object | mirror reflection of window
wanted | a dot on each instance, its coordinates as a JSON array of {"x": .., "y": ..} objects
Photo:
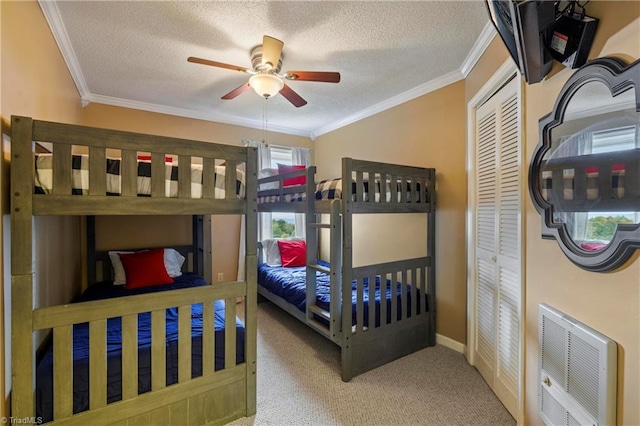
[{"x": 584, "y": 172}]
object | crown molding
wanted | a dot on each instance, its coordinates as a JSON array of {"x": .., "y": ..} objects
[
  {"x": 54, "y": 19},
  {"x": 52, "y": 15},
  {"x": 416, "y": 92},
  {"x": 486, "y": 36},
  {"x": 198, "y": 115}
]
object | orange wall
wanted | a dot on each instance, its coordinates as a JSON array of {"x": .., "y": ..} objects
[
  {"x": 609, "y": 303},
  {"x": 429, "y": 131},
  {"x": 35, "y": 82},
  {"x": 225, "y": 228}
]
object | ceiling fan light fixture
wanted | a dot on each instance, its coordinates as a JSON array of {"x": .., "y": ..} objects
[{"x": 266, "y": 85}]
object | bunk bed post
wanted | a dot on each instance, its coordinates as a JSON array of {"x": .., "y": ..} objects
[
  {"x": 22, "y": 351},
  {"x": 336, "y": 269},
  {"x": 431, "y": 252},
  {"x": 251, "y": 300},
  {"x": 311, "y": 236},
  {"x": 347, "y": 269}
]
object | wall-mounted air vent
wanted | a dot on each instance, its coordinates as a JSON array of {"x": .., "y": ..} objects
[{"x": 577, "y": 372}]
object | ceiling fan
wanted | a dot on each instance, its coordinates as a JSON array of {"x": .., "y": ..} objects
[{"x": 266, "y": 60}]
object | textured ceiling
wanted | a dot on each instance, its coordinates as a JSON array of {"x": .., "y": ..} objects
[{"x": 135, "y": 54}]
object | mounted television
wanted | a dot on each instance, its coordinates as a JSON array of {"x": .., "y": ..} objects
[{"x": 522, "y": 25}]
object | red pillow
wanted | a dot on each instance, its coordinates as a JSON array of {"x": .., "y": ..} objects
[
  {"x": 293, "y": 252},
  {"x": 298, "y": 180},
  {"x": 145, "y": 268}
]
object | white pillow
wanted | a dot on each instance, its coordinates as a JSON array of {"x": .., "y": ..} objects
[
  {"x": 172, "y": 263},
  {"x": 119, "y": 277},
  {"x": 271, "y": 251}
]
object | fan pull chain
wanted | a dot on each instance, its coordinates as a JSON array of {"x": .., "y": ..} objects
[{"x": 265, "y": 120}]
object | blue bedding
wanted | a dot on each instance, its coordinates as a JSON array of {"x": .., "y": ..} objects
[
  {"x": 290, "y": 284},
  {"x": 105, "y": 290}
]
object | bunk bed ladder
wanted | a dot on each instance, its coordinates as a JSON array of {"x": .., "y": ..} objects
[{"x": 325, "y": 322}]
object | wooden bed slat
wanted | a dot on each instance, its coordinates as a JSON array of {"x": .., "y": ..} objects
[
  {"x": 394, "y": 300},
  {"x": 414, "y": 292},
  {"x": 184, "y": 176},
  {"x": 129, "y": 356},
  {"x": 403, "y": 296},
  {"x": 208, "y": 178},
  {"x": 383, "y": 299},
  {"x": 359, "y": 305},
  {"x": 158, "y": 175},
  {"x": 383, "y": 188},
  {"x": 158, "y": 350},
  {"x": 230, "y": 180},
  {"x": 359, "y": 187},
  {"x": 97, "y": 171},
  {"x": 229, "y": 333},
  {"x": 129, "y": 173},
  {"x": 98, "y": 363},
  {"x": 208, "y": 347},
  {"x": 62, "y": 372},
  {"x": 403, "y": 190},
  {"x": 372, "y": 298},
  {"x": 184, "y": 343},
  {"x": 62, "y": 169}
]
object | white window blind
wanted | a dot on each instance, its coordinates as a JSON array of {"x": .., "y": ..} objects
[{"x": 614, "y": 140}]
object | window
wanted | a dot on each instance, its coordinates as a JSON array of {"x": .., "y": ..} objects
[
  {"x": 282, "y": 224},
  {"x": 602, "y": 225}
]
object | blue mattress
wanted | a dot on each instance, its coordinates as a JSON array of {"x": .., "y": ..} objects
[
  {"x": 105, "y": 290},
  {"x": 290, "y": 284}
]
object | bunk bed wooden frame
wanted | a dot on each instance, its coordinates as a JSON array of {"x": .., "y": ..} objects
[
  {"x": 216, "y": 397},
  {"x": 362, "y": 347}
]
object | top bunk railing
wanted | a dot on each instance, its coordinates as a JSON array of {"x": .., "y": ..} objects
[
  {"x": 283, "y": 193},
  {"x": 375, "y": 188},
  {"x": 92, "y": 171},
  {"x": 388, "y": 188}
]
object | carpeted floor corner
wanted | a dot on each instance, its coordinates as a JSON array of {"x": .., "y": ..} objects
[{"x": 299, "y": 384}]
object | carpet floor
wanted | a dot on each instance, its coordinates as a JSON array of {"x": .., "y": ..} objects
[{"x": 299, "y": 383}]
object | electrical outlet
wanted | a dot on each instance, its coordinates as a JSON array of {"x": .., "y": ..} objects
[{"x": 220, "y": 277}]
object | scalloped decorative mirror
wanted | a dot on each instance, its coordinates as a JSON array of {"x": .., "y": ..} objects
[{"x": 584, "y": 178}]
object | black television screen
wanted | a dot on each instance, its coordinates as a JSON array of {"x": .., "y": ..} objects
[{"x": 522, "y": 26}]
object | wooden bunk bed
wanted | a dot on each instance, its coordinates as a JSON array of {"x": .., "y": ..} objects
[
  {"x": 215, "y": 395},
  {"x": 402, "y": 299}
]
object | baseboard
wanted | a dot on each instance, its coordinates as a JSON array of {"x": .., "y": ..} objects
[{"x": 450, "y": 343}]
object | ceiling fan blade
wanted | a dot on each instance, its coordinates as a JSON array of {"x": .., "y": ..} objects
[
  {"x": 292, "y": 96},
  {"x": 324, "y": 77},
  {"x": 216, "y": 64},
  {"x": 237, "y": 91},
  {"x": 271, "y": 51}
]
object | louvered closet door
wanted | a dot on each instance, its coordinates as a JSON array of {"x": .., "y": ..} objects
[{"x": 498, "y": 243}]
